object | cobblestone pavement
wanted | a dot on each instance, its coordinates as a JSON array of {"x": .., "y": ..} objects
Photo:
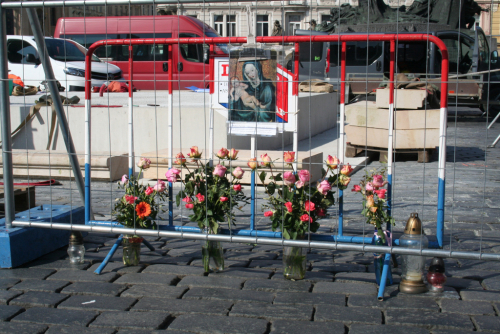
[{"x": 169, "y": 292}]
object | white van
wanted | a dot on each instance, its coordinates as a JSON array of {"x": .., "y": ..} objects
[{"x": 68, "y": 62}]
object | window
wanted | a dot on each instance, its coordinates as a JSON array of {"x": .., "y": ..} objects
[
  {"x": 357, "y": 53},
  {"x": 225, "y": 25},
  {"x": 326, "y": 18},
  {"x": 17, "y": 50},
  {"x": 109, "y": 51},
  {"x": 311, "y": 51},
  {"x": 293, "y": 24},
  {"x": 191, "y": 52},
  {"x": 459, "y": 54},
  {"x": 262, "y": 25},
  {"x": 153, "y": 52}
]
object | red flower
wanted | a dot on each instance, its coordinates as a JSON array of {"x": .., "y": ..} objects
[
  {"x": 149, "y": 191},
  {"x": 321, "y": 212},
  {"x": 289, "y": 206},
  {"x": 187, "y": 199},
  {"x": 237, "y": 187},
  {"x": 268, "y": 214},
  {"x": 309, "y": 206},
  {"x": 223, "y": 199},
  {"x": 143, "y": 209},
  {"x": 190, "y": 206},
  {"x": 305, "y": 218},
  {"x": 130, "y": 199},
  {"x": 200, "y": 198}
]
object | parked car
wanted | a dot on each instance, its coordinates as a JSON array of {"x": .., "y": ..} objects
[
  {"x": 150, "y": 61},
  {"x": 67, "y": 59}
]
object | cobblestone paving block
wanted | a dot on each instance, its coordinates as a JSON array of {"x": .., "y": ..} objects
[
  {"x": 307, "y": 298},
  {"x": 137, "y": 331},
  {"x": 311, "y": 276},
  {"x": 277, "y": 285},
  {"x": 250, "y": 256},
  {"x": 178, "y": 244},
  {"x": 391, "y": 303},
  {"x": 245, "y": 273},
  {"x": 301, "y": 327},
  {"x": 451, "y": 331},
  {"x": 163, "y": 291},
  {"x": 38, "y": 299},
  {"x": 178, "y": 260},
  {"x": 212, "y": 282},
  {"x": 117, "y": 267},
  {"x": 463, "y": 283},
  {"x": 6, "y": 283},
  {"x": 141, "y": 278},
  {"x": 82, "y": 276},
  {"x": 54, "y": 316},
  {"x": 481, "y": 265},
  {"x": 78, "y": 330},
  {"x": 99, "y": 240},
  {"x": 355, "y": 278},
  {"x": 227, "y": 263},
  {"x": 246, "y": 296},
  {"x": 185, "y": 252},
  {"x": 97, "y": 303},
  {"x": 345, "y": 288},
  {"x": 486, "y": 323},
  {"x": 428, "y": 319},
  {"x": 217, "y": 324},
  {"x": 131, "y": 320},
  {"x": 233, "y": 247},
  {"x": 491, "y": 283},
  {"x": 181, "y": 306},
  {"x": 267, "y": 248},
  {"x": 340, "y": 267},
  {"x": 266, "y": 264},
  {"x": 448, "y": 293},
  {"x": 487, "y": 296},
  {"x": 58, "y": 265},
  {"x": 466, "y": 307},
  {"x": 348, "y": 315},
  {"x": 270, "y": 312},
  {"x": 385, "y": 329},
  {"x": 40, "y": 285},
  {"x": 7, "y": 312},
  {"x": 6, "y": 296},
  {"x": 25, "y": 273},
  {"x": 9, "y": 327},
  {"x": 173, "y": 270},
  {"x": 476, "y": 274},
  {"x": 95, "y": 289}
]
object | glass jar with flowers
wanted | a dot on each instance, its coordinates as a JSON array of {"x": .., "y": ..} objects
[
  {"x": 138, "y": 208},
  {"x": 295, "y": 207},
  {"x": 371, "y": 187},
  {"x": 211, "y": 195}
]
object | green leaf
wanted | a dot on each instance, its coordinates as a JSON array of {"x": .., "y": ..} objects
[
  {"x": 278, "y": 178},
  {"x": 271, "y": 188},
  {"x": 178, "y": 199},
  {"x": 285, "y": 234},
  {"x": 262, "y": 176}
]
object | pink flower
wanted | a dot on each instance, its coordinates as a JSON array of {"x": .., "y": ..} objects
[
  {"x": 332, "y": 162},
  {"x": 289, "y": 157},
  {"x": 172, "y": 174},
  {"x": 356, "y": 188},
  {"x": 222, "y": 154},
  {"x": 159, "y": 186},
  {"x": 252, "y": 163},
  {"x": 219, "y": 171},
  {"x": 187, "y": 199},
  {"x": 237, "y": 187},
  {"x": 344, "y": 180},
  {"x": 130, "y": 199},
  {"x": 144, "y": 163},
  {"x": 305, "y": 218},
  {"x": 180, "y": 159},
  {"x": 200, "y": 198},
  {"x": 304, "y": 176},
  {"x": 346, "y": 170},
  {"x": 289, "y": 178},
  {"x": 299, "y": 184},
  {"x": 369, "y": 201},
  {"x": 378, "y": 181},
  {"x": 266, "y": 160},
  {"x": 324, "y": 187},
  {"x": 194, "y": 154},
  {"x": 289, "y": 206},
  {"x": 233, "y": 154},
  {"x": 321, "y": 212},
  {"x": 149, "y": 191},
  {"x": 268, "y": 214},
  {"x": 369, "y": 186},
  {"x": 309, "y": 206},
  {"x": 124, "y": 179},
  {"x": 238, "y": 173},
  {"x": 381, "y": 193},
  {"x": 190, "y": 206},
  {"x": 223, "y": 199}
]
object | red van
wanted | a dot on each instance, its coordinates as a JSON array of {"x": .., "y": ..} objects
[{"x": 150, "y": 61}]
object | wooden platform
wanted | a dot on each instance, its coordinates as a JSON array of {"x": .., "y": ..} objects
[
  {"x": 353, "y": 150},
  {"x": 24, "y": 198}
]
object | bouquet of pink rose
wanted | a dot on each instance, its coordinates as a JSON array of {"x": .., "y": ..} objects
[
  {"x": 372, "y": 189},
  {"x": 139, "y": 206}
]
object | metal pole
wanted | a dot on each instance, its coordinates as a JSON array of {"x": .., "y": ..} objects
[
  {"x": 131, "y": 157},
  {"x": 391, "y": 130},
  {"x": 341, "y": 152},
  {"x": 8, "y": 175},
  {"x": 56, "y": 100}
]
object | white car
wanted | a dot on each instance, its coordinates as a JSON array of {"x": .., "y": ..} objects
[{"x": 68, "y": 62}]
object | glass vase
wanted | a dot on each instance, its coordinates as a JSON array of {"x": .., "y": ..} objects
[
  {"x": 212, "y": 255},
  {"x": 378, "y": 259},
  {"x": 294, "y": 262},
  {"x": 131, "y": 250}
]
